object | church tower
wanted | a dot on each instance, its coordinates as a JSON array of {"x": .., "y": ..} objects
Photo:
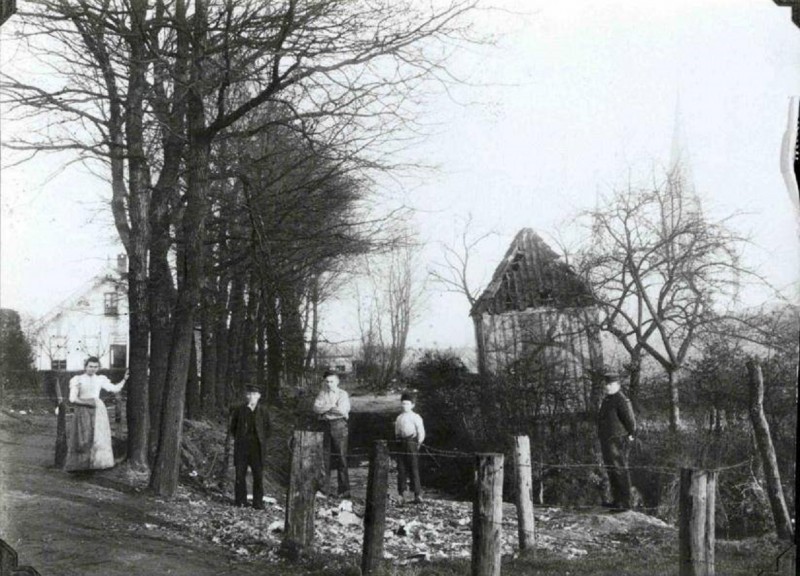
[{"x": 684, "y": 203}]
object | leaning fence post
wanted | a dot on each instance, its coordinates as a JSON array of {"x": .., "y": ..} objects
[
  {"x": 487, "y": 515},
  {"x": 375, "y": 511},
  {"x": 696, "y": 522},
  {"x": 303, "y": 479},
  {"x": 61, "y": 427},
  {"x": 777, "y": 502},
  {"x": 524, "y": 496}
]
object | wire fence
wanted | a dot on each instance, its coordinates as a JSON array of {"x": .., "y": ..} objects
[
  {"x": 575, "y": 538},
  {"x": 435, "y": 453}
]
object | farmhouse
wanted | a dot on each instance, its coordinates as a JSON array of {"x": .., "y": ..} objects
[
  {"x": 535, "y": 322},
  {"x": 91, "y": 322}
]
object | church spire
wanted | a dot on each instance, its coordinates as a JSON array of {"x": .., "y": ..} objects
[{"x": 679, "y": 170}]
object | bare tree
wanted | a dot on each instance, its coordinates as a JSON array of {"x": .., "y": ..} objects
[
  {"x": 659, "y": 271},
  {"x": 387, "y": 313},
  {"x": 149, "y": 88},
  {"x": 454, "y": 273}
]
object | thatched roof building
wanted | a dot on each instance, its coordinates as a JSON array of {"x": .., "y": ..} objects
[{"x": 535, "y": 322}]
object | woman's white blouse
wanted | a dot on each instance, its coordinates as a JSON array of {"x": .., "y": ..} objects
[{"x": 87, "y": 387}]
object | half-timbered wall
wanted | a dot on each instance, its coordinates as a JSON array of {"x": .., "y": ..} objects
[{"x": 534, "y": 323}]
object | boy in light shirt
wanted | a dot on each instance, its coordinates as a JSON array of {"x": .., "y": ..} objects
[{"x": 410, "y": 434}]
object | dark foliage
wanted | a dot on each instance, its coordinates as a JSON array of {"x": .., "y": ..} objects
[
  {"x": 467, "y": 413},
  {"x": 16, "y": 354}
]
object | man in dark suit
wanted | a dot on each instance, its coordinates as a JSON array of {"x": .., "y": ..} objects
[
  {"x": 616, "y": 425},
  {"x": 250, "y": 428}
]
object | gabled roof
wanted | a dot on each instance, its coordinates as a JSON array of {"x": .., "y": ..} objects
[
  {"x": 531, "y": 275},
  {"x": 107, "y": 275}
]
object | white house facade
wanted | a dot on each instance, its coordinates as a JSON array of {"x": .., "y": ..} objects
[{"x": 91, "y": 322}]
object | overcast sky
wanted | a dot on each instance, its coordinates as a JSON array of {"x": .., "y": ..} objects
[{"x": 575, "y": 96}]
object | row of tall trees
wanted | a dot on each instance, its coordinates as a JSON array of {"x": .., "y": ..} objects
[{"x": 237, "y": 137}]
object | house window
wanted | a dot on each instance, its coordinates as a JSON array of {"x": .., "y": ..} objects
[
  {"x": 110, "y": 300},
  {"x": 119, "y": 356},
  {"x": 58, "y": 364},
  {"x": 341, "y": 368}
]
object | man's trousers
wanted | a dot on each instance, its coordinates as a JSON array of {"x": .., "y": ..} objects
[
  {"x": 615, "y": 460},
  {"x": 408, "y": 464},
  {"x": 336, "y": 448},
  {"x": 249, "y": 456}
]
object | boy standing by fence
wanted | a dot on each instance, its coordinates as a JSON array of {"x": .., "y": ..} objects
[{"x": 409, "y": 431}]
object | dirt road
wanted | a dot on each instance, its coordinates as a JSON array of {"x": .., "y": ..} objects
[{"x": 63, "y": 524}]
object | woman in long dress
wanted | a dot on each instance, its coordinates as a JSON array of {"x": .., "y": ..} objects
[{"x": 89, "y": 442}]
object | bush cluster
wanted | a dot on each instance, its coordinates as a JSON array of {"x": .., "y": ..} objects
[{"x": 470, "y": 413}]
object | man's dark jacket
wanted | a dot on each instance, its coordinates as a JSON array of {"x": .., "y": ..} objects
[
  {"x": 239, "y": 431},
  {"x": 616, "y": 417}
]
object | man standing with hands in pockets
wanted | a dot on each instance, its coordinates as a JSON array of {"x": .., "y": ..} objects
[
  {"x": 616, "y": 426},
  {"x": 332, "y": 406}
]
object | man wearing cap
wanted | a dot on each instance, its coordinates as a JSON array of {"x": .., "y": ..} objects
[
  {"x": 332, "y": 407},
  {"x": 250, "y": 428},
  {"x": 616, "y": 425}
]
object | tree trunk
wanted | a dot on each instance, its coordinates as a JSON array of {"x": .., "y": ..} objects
[
  {"x": 138, "y": 201},
  {"x": 292, "y": 336},
  {"x": 170, "y": 111},
  {"x": 161, "y": 310},
  {"x": 193, "y": 383},
  {"x": 313, "y": 341},
  {"x": 164, "y": 479},
  {"x": 635, "y": 377},
  {"x": 221, "y": 339},
  {"x": 674, "y": 402},
  {"x": 274, "y": 350},
  {"x": 480, "y": 345},
  {"x": 137, "y": 415},
  {"x": 595, "y": 349},
  {"x": 208, "y": 369},
  {"x": 249, "y": 332},
  {"x": 261, "y": 345},
  {"x": 233, "y": 376},
  {"x": 766, "y": 450}
]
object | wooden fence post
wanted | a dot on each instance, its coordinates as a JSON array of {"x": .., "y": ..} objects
[
  {"x": 9, "y": 563},
  {"x": 696, "y": 539},
  {"x": 524, "y": 496},
  {"x": 487, "y": 515},
  {"x": 780, "y": 513},
  {"x": 61, "y": 427},
  {"x": 8, "y": 559},
  {"x": 375, "y": 512},
  {"x": 711, "y": 521},
  {"x": 61, "y": 435},
  {"x": 787, "y": 562},
  {"x": 303, "y": 479}
]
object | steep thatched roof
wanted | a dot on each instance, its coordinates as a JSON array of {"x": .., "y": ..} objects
[{"x": 531, "y": 275}]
